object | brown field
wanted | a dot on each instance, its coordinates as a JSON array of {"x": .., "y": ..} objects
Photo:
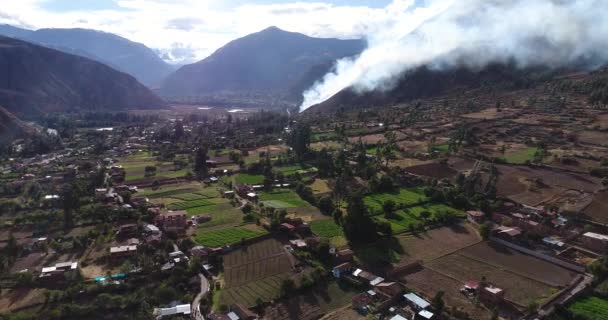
[
  {"x": 433, "y": 170},
  {"x": 409, "y": 162},
  {"x": 332, "y": 145},
  {"x": 375, "y": 138},
  {"x": 30, "y": 262},
  {"x": 412, "y": 146},
  {"x": 518, "y": 183},
  {"x": 313, "y": 304},
  {"x": 489, "y": 114},
  {"x": 518, "y": 289},
  {"x": 437, "y": 242},
  {"x": 255, "y": 271},
  {"x": 593, "y": 137},
  {"x": 520, "y": 263},
  {"x": 15, "y": 299},
  {"x": 601, "y": 120},
  {"x": 597, "y": 210},
  {"x": 256, "y": 261},
  {"x": 320, "y": 186},
  {"x": 429, "y": 282}
]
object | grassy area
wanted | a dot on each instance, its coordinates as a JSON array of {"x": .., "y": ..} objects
[
  {"x": 244, "y": 178},
  {"x": 521, "y": 156},
  {"x": 188, "y": 196},
  {"x": 590, "y": 308},
  {"x": 224, "y": 237},
  {"x": 411, "y": 217},
  {"x": 320, "y": 186},
  {"x": 324, "y": 136},
  {"x": 326, "y": 228},
  {"x": 442, "y": 147},
  {"x": 403, "y": 198},
  {"x": 189, "y": 204},
  {"x": 282, "y": 199}
]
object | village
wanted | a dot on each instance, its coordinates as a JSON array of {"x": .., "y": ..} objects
[{"x": 409, "y": 212}]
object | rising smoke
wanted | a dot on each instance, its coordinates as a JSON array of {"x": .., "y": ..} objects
[{"x": 473, "y": 33}]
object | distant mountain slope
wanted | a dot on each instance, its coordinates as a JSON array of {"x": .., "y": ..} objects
[
  {"x": 133, "y": 58},
  {"x": 36, "y": 79},
  {"x": 424, "y": 83},
  {"x": 12, "y": 128},
  {"x": 271, "y": 62}
]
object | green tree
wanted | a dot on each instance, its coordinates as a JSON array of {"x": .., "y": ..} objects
[
  {"x": 299, "y": 140},
  {"x": 485, "y": 230},
  {"x": 388, "y": 207},
  {"x": 70, "y": 198},
  {"x": 287, "y": 287},
  {"x": 358, "y": 225},
  {"x": 200, "y": 163}
]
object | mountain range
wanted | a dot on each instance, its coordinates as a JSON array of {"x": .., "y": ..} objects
[
  {"x": 36, "y": 79},
  {"x": 122, "y": 54},
  {"x": 271, "y": 62}
]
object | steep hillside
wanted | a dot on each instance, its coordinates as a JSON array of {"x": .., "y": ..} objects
[
  {"x": 424, "y": 82},
  {"x": 272, "y": 62},
  {"x": 12, "y": 128},
  {"x": 133, "y": 58},
  {"x": 36, "y": 79}
]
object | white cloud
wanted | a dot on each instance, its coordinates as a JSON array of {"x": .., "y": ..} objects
[{"x": 201, "y": 26}]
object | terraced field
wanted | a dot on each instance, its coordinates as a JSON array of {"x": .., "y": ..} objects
[
  {"x": 225, "y": 237},
  {"x": 255, "y": 272}
]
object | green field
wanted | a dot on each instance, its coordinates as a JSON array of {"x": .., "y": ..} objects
[
  {"x": 188, "y": 196},
  {"x": 283, "y": 198},
  {"x": 326, "y": 228},
  {"x": 520, "y": 157},
  {"x": 403, "y": 198},
  {"x": 225, "y": 237},
  {"x": 590, "y": 308},
  {"x": 166, "y": 193},
  {"x": 442, "y": 147},
  {"x": 409, "y": 218},
  {"x": 189, "y": 204},
  {"x": 244, "y": 178}
]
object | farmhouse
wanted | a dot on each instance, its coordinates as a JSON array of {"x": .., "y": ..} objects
[
  {"x": 492, "y": 294},
  {"x": 123, "y": 251},
  {"x": 173, "y": 221},
  {"x": 475, "y": 216},
  {"x": 168, "y": 312},
  {"x": 58, "y": 271},
  {"x": 595, "y": 241},
  {"x": 340, "y": 269},
  {"x": 416, "y": 302}
]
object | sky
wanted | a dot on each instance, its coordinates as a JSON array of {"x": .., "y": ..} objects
[{"x": 184, "y": 31}]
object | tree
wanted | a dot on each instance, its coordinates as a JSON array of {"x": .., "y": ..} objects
[
  {"x": 179, "y": 130},
  {"x": 299, "y": 140},
  {"x": 267, "y": 171},
  {"x": 287, "y": 287},
  {"x": 358, "y": 225},
  {"x": 200, "y": 163},
  {"x": 70, "y": 203},
  {"x": 438, "y": 302},
  {"x": 326, "y": 205},
  {"x": 485, "y": 229},
  {"x": 389, "y": 208}
]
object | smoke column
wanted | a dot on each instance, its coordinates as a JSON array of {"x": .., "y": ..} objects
[{"x": 473, "y": 33}]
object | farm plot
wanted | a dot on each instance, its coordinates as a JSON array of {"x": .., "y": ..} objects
[
  {"x": 256, "y": 271},
  {"x": 314, "y": 303},
  {"x": 244, "y": 178},
  {"x": 520, "y": 156},
  {"x": 591, "y": 308},
  {"x": 282, "y": 199},
  {"x": 598, "y": 208},
  {"x": 188, "y": 197},
  {"x": 429, "y": 282},
  {"x": 189, "y": 204},
  {"x": 518, "y": 289},
  {"x": 436, "y": 243},
  {"x": 519, "y": 263},
  {"x": 433, "y": 170},
  {"x": 327, "y": 228},
  {"x": 225, "y": 237},
  {"x": 403, "y": 198}
]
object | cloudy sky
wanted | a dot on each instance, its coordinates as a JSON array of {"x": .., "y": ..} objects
[{"x": 189, "y": 30}]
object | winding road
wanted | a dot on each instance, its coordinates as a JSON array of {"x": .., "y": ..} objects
[{"x": 196, "y": 304}]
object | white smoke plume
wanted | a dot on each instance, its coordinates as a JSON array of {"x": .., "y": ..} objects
[{"x": 474, "y": 33}]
